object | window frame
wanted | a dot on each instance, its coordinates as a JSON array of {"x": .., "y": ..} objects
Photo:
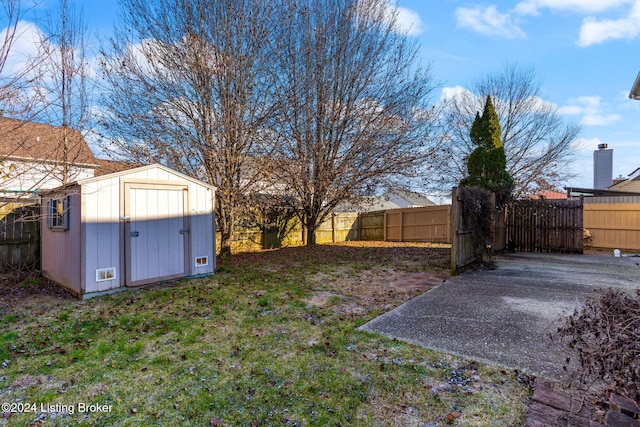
[{"x": 58, "y": 213}]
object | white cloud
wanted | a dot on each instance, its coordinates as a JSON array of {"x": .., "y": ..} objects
[
  {"x": 599, "y": 119},
  {"x": 409, "y": 21},
  {"x": 487, "y": 20},
  {"x": 590, "y": 108},
  {"x": 586, "y": 144},
  {"x": 25, "y": 47},
  {"x": 532, "y": 7},
  {"x": 596, "y": 31},
  {"x": 449, "y": 93}
]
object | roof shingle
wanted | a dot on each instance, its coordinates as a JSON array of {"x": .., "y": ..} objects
[{"x": 40, "y": 141}]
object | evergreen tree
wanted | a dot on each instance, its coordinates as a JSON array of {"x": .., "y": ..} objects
[{"x": 487, "y": 164}]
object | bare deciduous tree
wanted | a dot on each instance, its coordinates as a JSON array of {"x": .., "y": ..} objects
[
  {"x": 355, "y": 114},
  {"x": 538, "y": 143},
  {"x": 47, "y": 80},
  {"x": 65, "y": 86},
  {"x": 187, "y": 85},
  {"x": 18, "y": 70}
]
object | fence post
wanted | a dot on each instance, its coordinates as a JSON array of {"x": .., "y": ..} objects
[
  {"x": 384, "y": 227},
  {"x": 454, "y": 228},
  {"x": 333, "y": 227}
]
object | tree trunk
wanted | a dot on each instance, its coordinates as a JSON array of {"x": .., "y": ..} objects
[
  {"x": 226, "y": 230},
  {"x": 225, "y": 246},
  {"x": 311, "y": 226},
  {"x": 311, "y": 236}
]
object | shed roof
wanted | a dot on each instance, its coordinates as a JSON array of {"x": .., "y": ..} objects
[
  {"x": 39, "y": 141},
  {"x": 143, "y": 168}
]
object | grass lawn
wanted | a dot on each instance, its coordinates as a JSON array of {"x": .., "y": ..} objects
[{"x": 269, "y": 340}]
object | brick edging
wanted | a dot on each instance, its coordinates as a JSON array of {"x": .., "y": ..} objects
[{"x": 553, "y": 405}]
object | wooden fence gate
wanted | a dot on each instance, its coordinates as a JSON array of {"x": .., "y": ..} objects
[{"x": 545, "y": 226}]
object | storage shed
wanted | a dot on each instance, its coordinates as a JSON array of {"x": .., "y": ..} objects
[{"x": 130, "y": 228}]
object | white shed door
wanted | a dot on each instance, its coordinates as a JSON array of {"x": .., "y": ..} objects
[{"x": 157, "y": 233}]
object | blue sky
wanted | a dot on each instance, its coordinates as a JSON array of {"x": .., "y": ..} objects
[{"x": 585, "y": 52}]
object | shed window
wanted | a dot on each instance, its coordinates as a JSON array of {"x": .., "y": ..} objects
[{"x": 59, "y": 213}]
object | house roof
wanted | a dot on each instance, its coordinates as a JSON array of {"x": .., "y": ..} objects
[
  {"x": 548, "y": 195},
  {"x": 594, "y": 192},
  {"x": 635, "y": 89},
  {"x": 39, "y": 141},
  {"x": 106, "y": 166},
  {"x": 412, "y": 198},
  {"x": 392, "y": 199},
  {"x": 635, "y": 175}
]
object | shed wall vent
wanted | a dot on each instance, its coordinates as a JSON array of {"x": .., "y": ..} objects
[
  {"x": 201, "y": 261},
  {"x": 103, "y": 274}
]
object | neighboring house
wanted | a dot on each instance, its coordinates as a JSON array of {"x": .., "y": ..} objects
[
  {"x": 548, "y": 195},
  {"x": 629, "y": 185},
  {"x": 621, "y": 187},
  {"x": 392, "y": 199},
  {"x": 33, "y": 157},
  {"x": 408, "y": 199}
]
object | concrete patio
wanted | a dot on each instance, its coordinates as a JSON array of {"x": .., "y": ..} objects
[{"x": 504, "y": 316}]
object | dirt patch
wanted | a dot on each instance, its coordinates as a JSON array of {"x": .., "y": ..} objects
[
  {"x": 29, "y": 289},
  {"x": 356, "y": 278},
  {"x": 26, "y": 381},
  {"x": 321, "y": 299},
  {"x": 371, "y": 290},
  {"x": 420, "y": 282}
]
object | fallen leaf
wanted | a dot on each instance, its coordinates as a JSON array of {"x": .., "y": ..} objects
[
  {"x": 216, "y": 422},
  {"x": 452, "y": 416}
]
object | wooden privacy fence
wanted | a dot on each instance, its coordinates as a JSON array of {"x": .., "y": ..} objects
[
  {"x": 613, "y": 222},
  {"x": 371, "y": 225},
  {"x": 19, "y": 235},
  {"x": 545, "y": 226},
  {"x": 465, "y": 250},
  {"x": 423, "y": 224},
  {"x": 337, "y": 227},
  {"x": 524, "y": 225}
]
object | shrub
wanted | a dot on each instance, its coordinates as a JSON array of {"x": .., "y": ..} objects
[{"x": 604, "y": 336}]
